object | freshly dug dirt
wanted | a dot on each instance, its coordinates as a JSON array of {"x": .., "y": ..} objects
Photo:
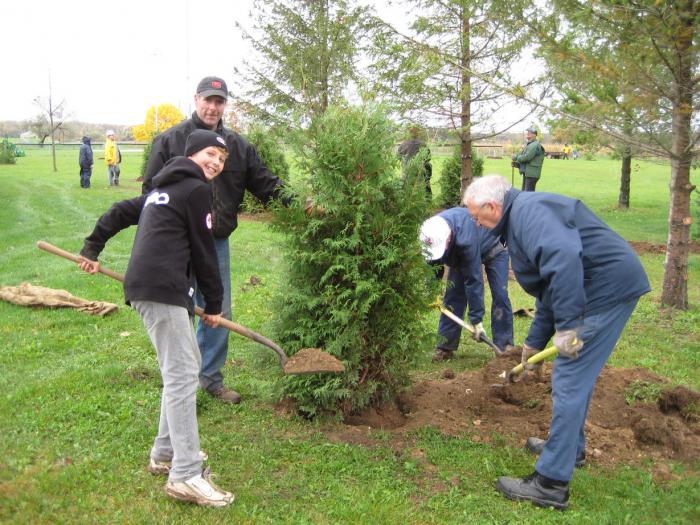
[
  {"x": 481, "y": 405},
  {"x": 683, "y": 400},
  {"x": 312, "y": 361},
  {"x": 642, "y": 247}
]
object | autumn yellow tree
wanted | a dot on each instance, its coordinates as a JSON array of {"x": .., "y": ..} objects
[{"x": 167, "y": 116}]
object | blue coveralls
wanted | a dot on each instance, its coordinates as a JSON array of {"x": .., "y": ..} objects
[
  {"x": 471, "y": 246},
  {"x": 585, "y": 277}
]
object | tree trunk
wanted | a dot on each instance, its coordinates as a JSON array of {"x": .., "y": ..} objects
[
  {"x": 465, "y": 116},
  {"x": 675, "y": 286},
  {"x": 623, "y": 201},
  {"x": 325, "y": 65},
  {"x": 53, "y": 141}
]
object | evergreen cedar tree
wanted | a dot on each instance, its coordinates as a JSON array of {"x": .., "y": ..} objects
[{"x": 357, "y": 285}]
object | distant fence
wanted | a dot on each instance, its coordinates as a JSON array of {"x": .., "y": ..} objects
[
  {"x": 491, "y": 151},
  {"x": 124, "y": 147}
]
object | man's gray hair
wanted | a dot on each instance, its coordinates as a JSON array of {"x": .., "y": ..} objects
[{"x": 489, "y": 188}]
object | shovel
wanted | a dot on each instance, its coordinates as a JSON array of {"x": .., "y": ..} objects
[
  {"x": 468, "y": 327},
  {"x": 539, "y": 356},
  {"x": 324, "y": 362}
]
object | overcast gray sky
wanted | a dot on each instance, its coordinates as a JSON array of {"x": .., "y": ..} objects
[{"x": 111, "y": 61}]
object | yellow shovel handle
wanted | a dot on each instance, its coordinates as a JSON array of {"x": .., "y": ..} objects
[{"x": 539, "y": 356}]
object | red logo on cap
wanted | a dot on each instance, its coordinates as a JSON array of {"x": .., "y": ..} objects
[{"x": 216, "y": 84}]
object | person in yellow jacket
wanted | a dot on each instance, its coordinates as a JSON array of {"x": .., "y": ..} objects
[
  {"x": 112, "y": 159},
  {"x": 566, "y": 150}
]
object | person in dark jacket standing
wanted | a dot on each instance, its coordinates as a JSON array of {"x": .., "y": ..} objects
[
  {"x": 85, "y": 162},
  {"x": 243, "y": 171},
  {"x": 173, "y": 246},
  {"x": 452, "y": 238},
  {"x": 410, "y": 148},
  {"x": 587, "y": 281},
  {"x": 529, "y": 160}
]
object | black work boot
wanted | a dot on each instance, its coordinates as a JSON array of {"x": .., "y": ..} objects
[
  {"x": 538, "y": 489},
  {"x": 442, "y": 355},
  {"x": 536, "y": 446}
]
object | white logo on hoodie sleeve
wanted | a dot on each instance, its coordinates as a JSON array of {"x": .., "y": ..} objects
[{"x": 157, "y": 198}]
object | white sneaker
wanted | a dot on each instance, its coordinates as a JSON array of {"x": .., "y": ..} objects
[
  {"x": 200, "y": 490},
  {"x": 163, "y": 467}
]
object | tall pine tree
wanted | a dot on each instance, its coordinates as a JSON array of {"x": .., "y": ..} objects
[
  {"x": 640, "y": 58},
  {"x": 306, "y": 55},
  {"x": 447, "y": 68}
]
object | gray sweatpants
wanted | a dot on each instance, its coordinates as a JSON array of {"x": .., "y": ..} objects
[{"x": 172, "y": 334}]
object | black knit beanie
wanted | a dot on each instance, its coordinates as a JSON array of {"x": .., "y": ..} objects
[{"x": 202, "y": 138}]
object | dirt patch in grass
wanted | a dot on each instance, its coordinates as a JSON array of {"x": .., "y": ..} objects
[
  {"x": 642, "y": 247},
  {"x": 470, "y": 404},
  {"x": 264, "y": 216}
]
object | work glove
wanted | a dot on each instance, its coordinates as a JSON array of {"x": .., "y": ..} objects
[
  {"x": 308, "y": 206},
  {"x": 568, "y": 344},
  {"x": 527, "y": 353},
  {"x": 479, "y": 331}
]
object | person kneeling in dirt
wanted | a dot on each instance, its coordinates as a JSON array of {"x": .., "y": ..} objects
[
  {"x": 452, "y": 238},
  {"x": 173, "y": 246},
  {"x": 587, "y": 281}
]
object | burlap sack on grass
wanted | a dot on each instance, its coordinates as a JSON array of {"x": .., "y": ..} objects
[{"x": 27, "y": 294}]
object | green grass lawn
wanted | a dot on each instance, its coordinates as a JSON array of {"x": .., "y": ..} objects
[{"x": 79, "y": 395}]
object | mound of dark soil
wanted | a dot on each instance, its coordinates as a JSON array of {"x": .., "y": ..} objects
[
  {"x": 482, "y": 405},
  {"x": 312, "y": 361}
]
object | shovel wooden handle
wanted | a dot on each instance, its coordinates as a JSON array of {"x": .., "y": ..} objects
[
  {"x": 47, "y": 247},
  {"x": 469, "y": 328},
  {"x": 230, "y": 325}
]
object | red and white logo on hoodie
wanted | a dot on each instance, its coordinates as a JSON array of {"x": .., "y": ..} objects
[{"x": 209, "y": 221}]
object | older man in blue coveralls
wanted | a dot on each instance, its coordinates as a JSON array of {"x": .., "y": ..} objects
[
  {"x": 452, "y": 238},
  {"x": 587, "y": 281}
]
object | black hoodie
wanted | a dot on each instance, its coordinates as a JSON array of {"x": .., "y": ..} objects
[
  {"x": 173, "y": 243},
  {"x": 243, "y": 170}
]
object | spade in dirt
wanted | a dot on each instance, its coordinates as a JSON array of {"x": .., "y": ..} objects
[{"x": 306, "y": 361}]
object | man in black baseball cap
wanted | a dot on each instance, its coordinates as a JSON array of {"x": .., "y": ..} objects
[
  {"x": 243, "y": 170},
  {"x": 212, "y": 87}
]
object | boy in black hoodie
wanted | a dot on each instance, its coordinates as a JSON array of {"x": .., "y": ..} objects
[{"x": 173, "y": 247}]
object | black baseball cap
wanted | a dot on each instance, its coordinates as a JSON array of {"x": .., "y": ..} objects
[
  {"x": 203, "y": 138},
  {"x": 212, "y": 86}
]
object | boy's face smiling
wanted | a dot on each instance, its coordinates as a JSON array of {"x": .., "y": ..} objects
[{"x": 211, "y": 159}]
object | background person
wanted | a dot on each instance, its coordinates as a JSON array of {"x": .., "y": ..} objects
[
  {"x": 410, "y": 148},
  {"x": 112, "y": 159},
  {"x": 530, "y": 160},
  {"x": 85, "y": 161},
  {"x": 173, "y": 246},
  {"x": 566, "y": 150},
  {"x": 453, "y": 238},
  {"x": 587, "y": 281},
  {"x": 242, "y": 171}
]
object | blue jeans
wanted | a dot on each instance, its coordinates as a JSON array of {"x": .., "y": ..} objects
[
  {"x": 113, "y": 175},
  {"x": 572, "y": 387},
  {"x": 455, "y": 300},
  {"x": 213, "y": 342},
  {"x": 85, "y": 174},
  {"x": 170, "y": 330}
]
